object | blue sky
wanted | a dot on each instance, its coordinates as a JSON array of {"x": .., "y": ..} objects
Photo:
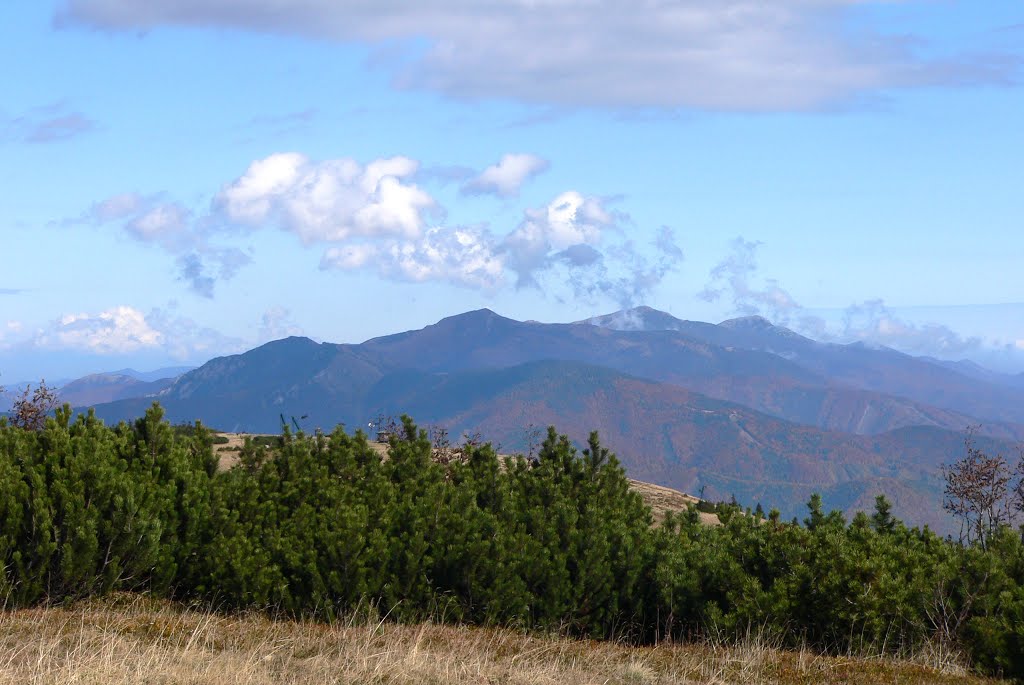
[{"x": 181, "y": 179}]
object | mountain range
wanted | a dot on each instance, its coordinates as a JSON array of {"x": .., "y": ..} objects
[
  {"x": 102, "y": 387},
  {"x": 741, "y": 408}
]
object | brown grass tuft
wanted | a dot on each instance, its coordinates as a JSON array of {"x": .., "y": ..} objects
[{"x": 128, "y": 639}]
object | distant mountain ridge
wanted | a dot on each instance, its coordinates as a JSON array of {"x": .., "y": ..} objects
[
  {"x": 155, "y": 375},
  {"x": 946, "y": 385},
  {"x": 742, "y": 407},
  {"x": 100, "y": 388}
]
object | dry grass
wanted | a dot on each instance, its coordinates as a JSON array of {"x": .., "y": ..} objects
[
  {"x": 133, "y": 640},
  {"x": 662, "y": 500}
]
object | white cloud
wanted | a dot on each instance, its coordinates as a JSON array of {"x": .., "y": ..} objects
[
  {"x": 12, "y": 328},
  {"x": 570, "y": 219},
  {"x": 464, "y": 257},
  {"x": 505, "y": 178},
  {"x": 374, "y": 217},
  {"x": 461, "y": 256},
  {"x": 558, "y": 246},
  {"x": 714, "y": 54},
  {"x": 184, "y": 339},
  {"x": 117, "y": 330},
  {"x": 328, "y": 201},
  {"x": 163, "y": 223}
]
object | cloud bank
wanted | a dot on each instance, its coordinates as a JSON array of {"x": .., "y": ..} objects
[
  {"x": 375, "y": 217},
  {"x": 125, "y": 330},
  {"x": 115, "y": 331},
  {"x": 710, "y": 54}
]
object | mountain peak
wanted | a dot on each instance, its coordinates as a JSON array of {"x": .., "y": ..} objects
[
  {"x": 484, "y": 314},
  {"x": 292, "y": 342},
  {"x": 754, "y": 321},
  {"x": 759, "y": 326},
  {"x": 642, "y": 318},
  {"x": 478, "y": 320}
]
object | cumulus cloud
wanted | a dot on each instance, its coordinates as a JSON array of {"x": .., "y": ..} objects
[
  {"x": 123, "y": 335},
  {"x": 713, "y": 54},
  {"x": 505, "y": 178},
  {"x": 574, "y": 240},
  {"x": 369, "y": 216},
  {"x": 12, "y": 328},
  {"x": 375, "y": 217},
  {"x": 330, "y": 200},
  {"x": 117, "y": 330},
  {"x": 165, "y": 224},
  {"x": 459, "y": 256},
  {"x": 569, "y": 221}
]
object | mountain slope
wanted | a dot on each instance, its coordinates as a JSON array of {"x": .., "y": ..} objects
[
  {"x": 670, "y": 436},
  {"x": 681, "y": 409},
  {"x": 108, "y": 387},
  {"x": 664, "y": 434},
  {"x": 879, "y": 370}
]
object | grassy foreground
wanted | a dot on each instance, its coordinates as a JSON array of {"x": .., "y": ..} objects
[{"x": 128, "y": 639}]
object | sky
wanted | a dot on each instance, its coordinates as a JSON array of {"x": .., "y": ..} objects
[{"x": 183, "y": 179}]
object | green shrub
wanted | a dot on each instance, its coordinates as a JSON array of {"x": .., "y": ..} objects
[{"x": 321, "y": 525}]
